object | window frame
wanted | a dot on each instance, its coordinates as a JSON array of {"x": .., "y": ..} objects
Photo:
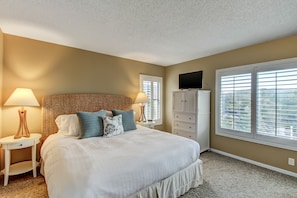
[
  {"x": 253, "y": 136},
  {"x": 158, "y": 79}
]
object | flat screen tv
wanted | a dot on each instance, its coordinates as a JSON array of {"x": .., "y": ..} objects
[{"x": 191, "y": 80}]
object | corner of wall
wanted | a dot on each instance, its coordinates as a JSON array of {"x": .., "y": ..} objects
[{"x": 1, "y": 77}]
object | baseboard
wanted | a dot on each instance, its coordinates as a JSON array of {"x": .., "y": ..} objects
[{"x": 255, "y": 163}]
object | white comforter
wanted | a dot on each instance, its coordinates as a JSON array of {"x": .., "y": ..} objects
[{"x": 117, "y": 166}]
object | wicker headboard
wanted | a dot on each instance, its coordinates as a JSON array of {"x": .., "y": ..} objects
[{"x": 55, "y": 105}]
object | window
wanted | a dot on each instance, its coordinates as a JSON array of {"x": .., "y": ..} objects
[
  {"x": 152, "y": 86},
  {"x": 258, "y": 103},
  {"x": 236, "y": 103}
]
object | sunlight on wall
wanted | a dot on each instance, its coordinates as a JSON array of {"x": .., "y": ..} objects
[
  {"x": 1, "y": 78},
  {"x": 12, "y": 119}
]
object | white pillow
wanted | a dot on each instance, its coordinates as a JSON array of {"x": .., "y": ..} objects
[
  {"x": 68, "y": 124},
  {"x": 108, "y": 113},
  {"x": 112, "y": 126}
]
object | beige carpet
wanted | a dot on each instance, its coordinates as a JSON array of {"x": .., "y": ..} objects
[
  {"x": 24, "y": 186},
  {"x": 223, "y": 178}
]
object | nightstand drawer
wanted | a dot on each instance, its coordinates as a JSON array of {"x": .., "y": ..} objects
[{"x": 19, "y": 145}]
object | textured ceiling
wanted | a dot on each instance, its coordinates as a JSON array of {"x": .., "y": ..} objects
[{"x": 162, "y": 32}]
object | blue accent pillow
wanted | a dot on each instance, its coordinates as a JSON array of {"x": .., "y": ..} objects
[
  {"x": 127, "y": 118},
  {"x": 91, "y": 123}
]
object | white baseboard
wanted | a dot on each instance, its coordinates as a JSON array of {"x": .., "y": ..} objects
[{"x": 255, "y": 163}]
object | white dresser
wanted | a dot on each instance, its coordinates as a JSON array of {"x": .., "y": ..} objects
[{"x": 191, "y": 115}]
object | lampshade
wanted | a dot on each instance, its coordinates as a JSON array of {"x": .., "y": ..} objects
[
  {"x": 22, "y": 97},
  {"x": 141, "y": 98}
]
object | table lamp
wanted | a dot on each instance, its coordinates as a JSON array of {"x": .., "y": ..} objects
[
  {"x": 141, "y": 98},
  {"x": 22, "y": 97}
]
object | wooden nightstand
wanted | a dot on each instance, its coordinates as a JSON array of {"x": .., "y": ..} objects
[
  {"x": 8, "y": 144},
  {"x": 148, "y": 124}
]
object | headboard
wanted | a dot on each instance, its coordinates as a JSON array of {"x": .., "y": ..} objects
[{"x": 55, "y": 105}]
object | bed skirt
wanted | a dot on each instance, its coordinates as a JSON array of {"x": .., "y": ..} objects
[{"x": 175, "y": 185}]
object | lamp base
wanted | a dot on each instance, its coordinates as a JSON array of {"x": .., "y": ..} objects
[
  {"x": 142, "y": 116},
  {"x": 23, "y": 130}
]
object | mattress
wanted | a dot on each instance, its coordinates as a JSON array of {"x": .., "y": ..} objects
[{"x": 136, "y": 163}]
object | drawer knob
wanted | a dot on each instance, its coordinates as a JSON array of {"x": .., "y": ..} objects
[{"x": 21, "y": 144}]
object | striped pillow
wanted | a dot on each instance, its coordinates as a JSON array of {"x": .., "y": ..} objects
[
  {"x": 91, "y": 123},
  {"x": 127, "y": 117}
]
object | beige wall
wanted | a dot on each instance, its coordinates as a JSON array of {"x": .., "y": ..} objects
[
  {"x": 274, "y": 50},
  {"x": 1, "y": 74},
  {"x": 55, "y": 69}
]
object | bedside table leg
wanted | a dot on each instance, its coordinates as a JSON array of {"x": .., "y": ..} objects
[
  {"x": 34, "y": 160},
  {"x": 7, "y": 165}
]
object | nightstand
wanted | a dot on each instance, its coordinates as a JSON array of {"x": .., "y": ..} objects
[
  {"x": 8, "y": 144},
  {"x": 148, "y": 124}
]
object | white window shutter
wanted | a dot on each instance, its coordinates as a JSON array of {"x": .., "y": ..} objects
[
  {"x": 258, "y": 103},
  {"x": 152, "y": 86}
]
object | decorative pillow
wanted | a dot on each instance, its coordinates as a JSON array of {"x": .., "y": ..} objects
[
  {"x": 68, "y": 124},
  {"x": 91, "y": 123},
  {"x": 128, "y": 119},
  {"x": 113, "y": 126}
]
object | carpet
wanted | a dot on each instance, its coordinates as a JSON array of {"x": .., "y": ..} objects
[{"x": 224, "y": 177}]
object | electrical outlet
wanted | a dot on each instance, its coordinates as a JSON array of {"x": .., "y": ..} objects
[{"x": 291, "y": 161}]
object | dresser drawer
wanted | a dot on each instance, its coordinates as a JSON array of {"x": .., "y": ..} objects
[
  {"x": 19, "y": 145},
  {"x": 185, "y": 117},
  {"x": 185, "y": 134},
  {"x": 191, "y": 127}
]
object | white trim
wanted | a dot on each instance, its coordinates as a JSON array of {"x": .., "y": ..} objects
[
  {"x": 274, "y": 141},
  {"x": 273, "y": 168},
  {"x": 158, "y": 79}
]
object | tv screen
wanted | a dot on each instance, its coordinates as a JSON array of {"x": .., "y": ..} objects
[{"x": 191, "y": 80}]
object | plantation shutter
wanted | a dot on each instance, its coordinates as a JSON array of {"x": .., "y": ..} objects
[
  {"x": 235, "y": 102},
  {"x": 276, "y": 103},
  {"x": 152, "y": 85},
  {"x": 258, "y": 103}
]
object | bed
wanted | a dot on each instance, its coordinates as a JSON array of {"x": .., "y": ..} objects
[{"x": 139, "y": 162}]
